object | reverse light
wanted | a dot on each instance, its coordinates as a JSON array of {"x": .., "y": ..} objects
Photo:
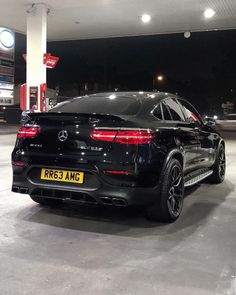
[
  {"x": 123, "y": 136},
  {"x": 28, "y": 132}
]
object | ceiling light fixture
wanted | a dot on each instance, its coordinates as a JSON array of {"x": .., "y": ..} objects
[
  {"x": 187, "y": 35},
  {"x": 145, "y": 18},
  {"x": 7, "y": 39},
  {"x": 209, "y": 13}
]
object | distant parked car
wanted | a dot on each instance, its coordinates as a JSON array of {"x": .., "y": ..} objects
[{"x": 228, "y": 123}]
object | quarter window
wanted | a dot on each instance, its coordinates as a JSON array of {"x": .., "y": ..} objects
[
  {"x": 157, "y": 112},
  {"x": 192, "y": 115},
  {"x": 175, "y": 110},
  {"x": 166, "y": 113}
]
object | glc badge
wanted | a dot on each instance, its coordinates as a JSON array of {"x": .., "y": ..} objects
[{"x": 63, "y": 135}]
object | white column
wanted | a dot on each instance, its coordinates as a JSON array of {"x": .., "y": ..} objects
[{"x": 36, "y": 47}]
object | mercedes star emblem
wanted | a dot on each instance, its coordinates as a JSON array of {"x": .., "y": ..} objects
[{"x": 63, "y": 135}]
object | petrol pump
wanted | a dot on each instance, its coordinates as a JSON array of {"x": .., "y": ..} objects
[{"x": 37, "y": 94}]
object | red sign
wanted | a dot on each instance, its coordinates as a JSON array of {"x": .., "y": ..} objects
[{"x": 49, "y": 60}]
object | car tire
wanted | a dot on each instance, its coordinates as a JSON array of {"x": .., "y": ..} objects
[
  {"x": 46, "y": 201},
  {"x": 219, "y": 167},
  {"x": 170, "y": 196}
]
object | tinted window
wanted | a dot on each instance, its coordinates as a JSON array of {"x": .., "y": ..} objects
[
  {"x": 113, "y": 105},
  {"x": 157, "y": 112},
  {"x": 175, "y": 110},
  {"x": 192, "y": 115},
  {"x": 166, "y": 112}
]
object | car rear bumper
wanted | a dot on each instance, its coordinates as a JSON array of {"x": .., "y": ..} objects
[{"x": 99, "y": 191}]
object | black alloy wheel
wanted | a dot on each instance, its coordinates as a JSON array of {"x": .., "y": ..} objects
[
  {"x": 170, "y": 195},
  {"x": 222, "y": 163},
  {"x": 219, "y": 168},
  {"x": 175, "y": 199}
]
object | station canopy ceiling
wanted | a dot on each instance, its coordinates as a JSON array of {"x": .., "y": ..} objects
[{"x": 87, "y": 19}]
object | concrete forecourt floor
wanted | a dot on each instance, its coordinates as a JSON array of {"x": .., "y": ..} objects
[{"x": 97, "y": 251}]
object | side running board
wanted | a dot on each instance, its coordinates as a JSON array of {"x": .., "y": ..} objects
[{"x": 196, "y": 176}]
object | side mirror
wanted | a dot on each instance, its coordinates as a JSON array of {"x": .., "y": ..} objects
[{"x": 210, "y": 122}]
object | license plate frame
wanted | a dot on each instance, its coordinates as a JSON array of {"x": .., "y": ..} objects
[{"x": 61, "y": 175}]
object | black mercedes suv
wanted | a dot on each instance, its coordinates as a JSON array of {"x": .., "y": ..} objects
[{"x": 120, "y": 149}]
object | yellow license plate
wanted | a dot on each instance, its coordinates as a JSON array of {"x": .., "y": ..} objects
[{"x": 62, "y": 175}]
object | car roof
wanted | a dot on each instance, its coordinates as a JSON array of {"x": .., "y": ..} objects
[{"x": 142, "y": 96}]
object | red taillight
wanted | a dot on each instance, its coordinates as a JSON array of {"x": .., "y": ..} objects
[
  {"x": 123, "y": 136},
  {"x": 103, "y": 135},
  {"x": 117, "y": 172},
  {"x": 18, "y": 164},
  {"x": 134, "y": 137},
  {"x": 28, "y": 132}
]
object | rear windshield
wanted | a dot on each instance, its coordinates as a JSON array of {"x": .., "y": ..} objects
[{"x": 112, "y": 105}]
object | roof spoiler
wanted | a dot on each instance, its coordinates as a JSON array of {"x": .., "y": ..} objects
[{"x": 30, "y": 115}]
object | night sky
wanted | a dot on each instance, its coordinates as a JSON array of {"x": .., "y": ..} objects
[{"x": 201, "y": 68}]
